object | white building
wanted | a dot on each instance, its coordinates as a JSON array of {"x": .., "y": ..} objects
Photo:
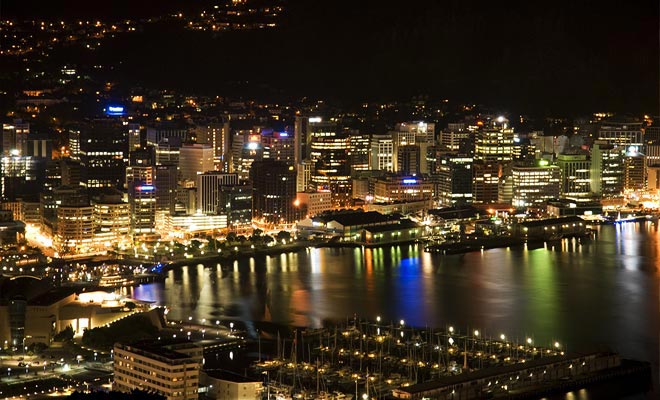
[{"x": 171, "y": 370}]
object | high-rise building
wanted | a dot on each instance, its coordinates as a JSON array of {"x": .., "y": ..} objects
[
  {"x": 279, "y": 146},
  {"x": 358, "y": 156},
  {"x": 607, "y": 169},
  {"x": 485, "y": 182},
  {"x": 217, "y": 134},
  {"x": 329, "y": 153},
  {"x": 195, "y": 159},
  {"x": 575, "y": 176},
  {"x": 168, "y": 151},
  {"x": 14, "y": 138},
  {"x": 634, "y": 167},
  {"x": 103, "y": 151},
  {"x": 236, "y": 203},
  {"x": 134, "y": 137},
  {"x": 165, "y": 182},
  {"x": 494, "y": 145},
  {"x": 274, "y": 192},
  {"x": 621, "y": 133},
  {"x": 111, "y": 218},
  {"x": 411, "y": 159},
  {"x": 167, "y": 130},
  {"x": 410, "y": 133},
  {"x": 534, "y": 185},
  {"x": 39, "y": 148},
  {"x": 75, "y": 229},
  {"x": 141, "y": 199},
  {"x": 454, "y": 174},
  {"x": 21, "y": 177},
  {"x": 455, "y": 138},
  {"x": 246, "y": 148},
  {"x": 209, "y": 185},
  {"x": 382, "y": 153}
]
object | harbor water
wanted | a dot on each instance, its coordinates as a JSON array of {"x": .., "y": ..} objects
[{"x": 585, "y": 294}]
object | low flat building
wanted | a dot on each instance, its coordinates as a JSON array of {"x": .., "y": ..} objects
[
  {"x": 551, "y": 228},
  {"x": 225, "y": 385}
]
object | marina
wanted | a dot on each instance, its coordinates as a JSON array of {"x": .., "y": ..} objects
[{"x": 375, "y": 360}]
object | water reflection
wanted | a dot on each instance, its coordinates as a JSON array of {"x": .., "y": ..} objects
[{"x": 583, "y": 293}]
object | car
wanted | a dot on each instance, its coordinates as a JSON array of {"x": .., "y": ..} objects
[{"x": 22, "y": 364}]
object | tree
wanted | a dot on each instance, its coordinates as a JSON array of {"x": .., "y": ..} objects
[
  {"x": 267, "y": 239},
  {"x": 257, "y": 236},
  {"x": 64, "y": 335},
  {"x": 232, "y": 237},
  {"x": 283, "y": 235}
]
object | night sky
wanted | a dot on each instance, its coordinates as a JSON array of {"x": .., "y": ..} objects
[{"x": 563, "y": 56}]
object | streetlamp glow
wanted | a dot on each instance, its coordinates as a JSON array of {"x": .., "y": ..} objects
[
  {"x": 529, "y": 340},
  {"x": 451, "y": 329},
  {"x": 476, "y": 332},
  {"x": 502, "y": 337}
]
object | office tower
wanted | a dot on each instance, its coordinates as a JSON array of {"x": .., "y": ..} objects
[
  {"x": 454, "y": 138},
  {"x": 170, "y": 370},
  {"x": 304, "y": 176},
  {"x": 165, "y": 182},
  {"x": 280, "y": 146},
  {"x": 410, "y": 133},
  {"x": 141, "y": 199},
  {"x": 21, "y": 177},
  {"x": 301, "y": 137},
  {"x": 534, "y": 185},
  {"x": 274, "y": 193},
  {"x": 236, "y": 203},
  {"x": 217, "y": 134},
  {"x": 167, "y": 130},
  {"x": 485, "y": 182},
  {"x": 39, "y": 148},
  {"x": 358, "y": 156},
  {"x": 134, "y": 137},
  {"x": 634, "y": 167},
  {"x": 382, "y": 153},
  {"x": 575, "y": 176},
  {"x": 75, "y": 229},
  {"x": 195, "y": 159},
  {"x": 102, "y": 152},
  {"x": 14, "y": 138},
  {"x": 621, "y": 133},
  {"x": 246, "y": 148},
  {"x": 407, "y": 135},
  {"x": 111, "y": 218},
  {"x": 167, "y": 151},
  {"x": 209, "y": 186},
  {"x": 408, "y": 159},
  {"x": 71, "y": 172},
  {"x": 494, "y": 145},
  {"x": 329, "y": 154},
  {"x": 607, "y": 169},
  {"x": 454, "y": 175}
]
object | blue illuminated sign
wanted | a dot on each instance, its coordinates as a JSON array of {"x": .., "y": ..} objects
[
  {"x": 115, "y": 110},
  {"x": 409, "y": 181},
  {"x": 145, "y": 188},
  {"x": 284, "y": 134}
]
